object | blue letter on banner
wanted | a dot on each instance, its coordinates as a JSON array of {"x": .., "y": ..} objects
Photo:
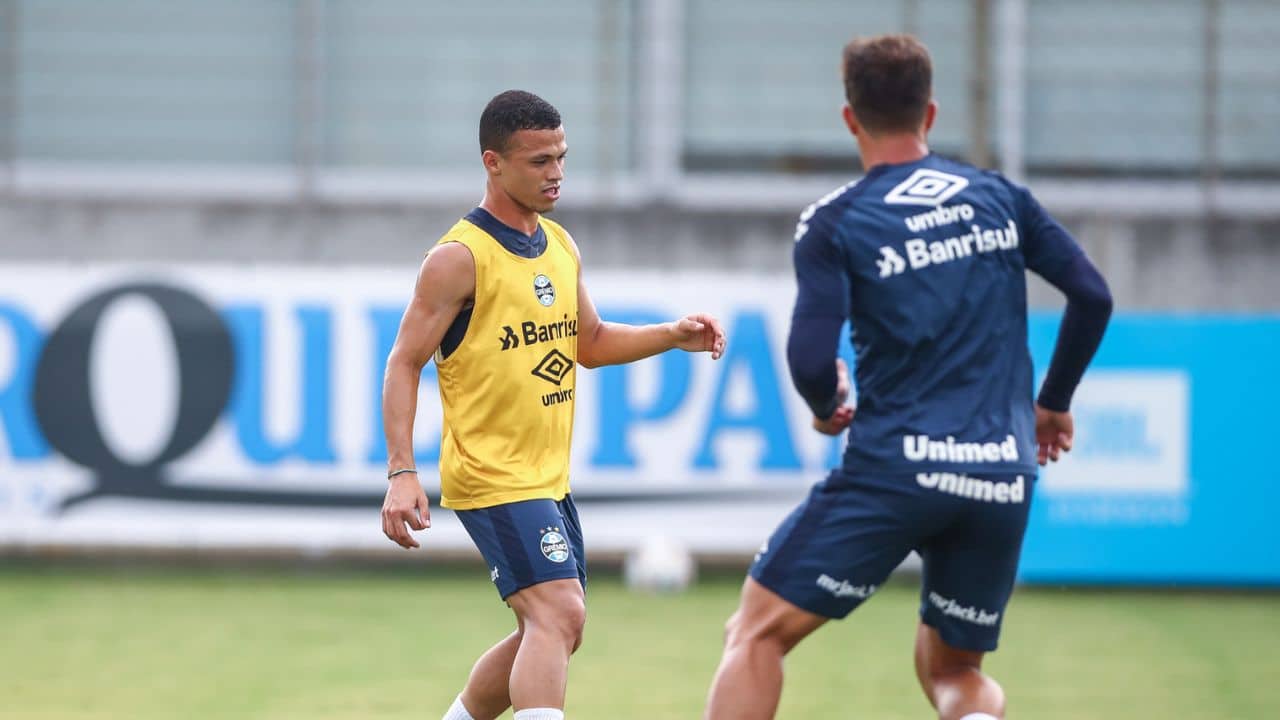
[
  {"x": 617, "y": 414},
  {"x": 23, "y": 435},
  {"x": 313, "y": 442},
  {"x": 749, "y": 349}
]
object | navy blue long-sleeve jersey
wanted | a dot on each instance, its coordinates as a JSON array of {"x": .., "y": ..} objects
[{"x": 927, "y": 261}]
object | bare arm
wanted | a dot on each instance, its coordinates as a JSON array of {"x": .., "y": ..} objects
[
  {"x": 606, "y": 343},
  {"x": 446, "y": 281}
]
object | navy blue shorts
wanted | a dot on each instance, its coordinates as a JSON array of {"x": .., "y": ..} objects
[
  {"x": 835, "y": 549},
  {"x": 528, "y": 542}
]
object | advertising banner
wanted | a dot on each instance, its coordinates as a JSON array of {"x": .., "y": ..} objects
[{"x": 227, "y": 407}]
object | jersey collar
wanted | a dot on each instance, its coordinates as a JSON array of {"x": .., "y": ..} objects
[{"x": 516, "y": 242}]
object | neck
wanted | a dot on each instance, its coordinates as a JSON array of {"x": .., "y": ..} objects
[
  {"x": 891, "y": 149},
  {"x": 508, "y": 211}
]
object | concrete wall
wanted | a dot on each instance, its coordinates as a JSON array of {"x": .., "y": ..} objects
[{"x": 1153, "y": 263}]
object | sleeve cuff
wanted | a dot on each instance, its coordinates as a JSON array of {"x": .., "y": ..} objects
[
  {"x": 1053, "y": 402},
  {"x": 826, "y": 411}
]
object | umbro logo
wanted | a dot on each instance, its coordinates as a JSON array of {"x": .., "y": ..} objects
[
  {"x": 553, "y": 367},
  {"x": 926, "y": 187}
]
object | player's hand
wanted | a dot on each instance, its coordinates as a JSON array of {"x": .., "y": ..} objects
[
  {"x": 843, "y": 415},
  {"x": 406, "y": 504},
  {"x": 1054, "y": 434},
  {"x": 837, "y": 423},
  {"x": 699, "y": 333}
]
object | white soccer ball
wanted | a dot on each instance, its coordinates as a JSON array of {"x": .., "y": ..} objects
[{"x": 659, "y": 565}]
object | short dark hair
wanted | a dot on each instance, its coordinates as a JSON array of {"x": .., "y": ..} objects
[
  {"x": 888, "y": 81},
  {"x": 514, "y": 110}
]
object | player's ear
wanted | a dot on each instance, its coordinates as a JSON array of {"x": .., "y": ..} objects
[
  {"x": 492, "y": 162},
  {"x": 930, "y": 114},
  {"x": 850, "y": 120}
]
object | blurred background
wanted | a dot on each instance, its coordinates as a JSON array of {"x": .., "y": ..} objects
[{"x": 211, "y": 215}]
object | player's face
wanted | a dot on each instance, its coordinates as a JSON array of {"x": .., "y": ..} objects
[{"x": 532, "y": 168}]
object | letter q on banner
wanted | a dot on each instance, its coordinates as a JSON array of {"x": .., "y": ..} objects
[{"x": 63, "y": 398}]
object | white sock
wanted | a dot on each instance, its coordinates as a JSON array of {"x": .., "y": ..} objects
[
  {"x": 457, "y": 711},
  {"x": 978, "y": 716},
  {"x": 539, "y": 714}
]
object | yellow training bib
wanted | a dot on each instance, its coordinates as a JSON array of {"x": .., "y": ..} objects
[{"x": 508, "y": 387}]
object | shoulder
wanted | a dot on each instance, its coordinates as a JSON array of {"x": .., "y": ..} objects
[
  {"x": 451, "y": 254},
  {"x": 463, "y": 233},
  {"x": 447, "y": 274},
  {"x": 454, "y": 252},
  {"x": 821, "y": 219},
  {"x": 1023, "y": 200},
  {"x": 997, "y": 179},
  {"x": 988, "y": 179}
]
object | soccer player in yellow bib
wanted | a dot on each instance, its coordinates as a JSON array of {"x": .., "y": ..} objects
[{"x": 500, "y": 303}]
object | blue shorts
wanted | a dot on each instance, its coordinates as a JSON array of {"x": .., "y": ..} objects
[
  {"x": 528, "y": 542},
  {"x": 834, "y": 550}
]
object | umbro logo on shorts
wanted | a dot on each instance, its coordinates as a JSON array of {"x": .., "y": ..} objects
[{"x": 926, "y": 187}]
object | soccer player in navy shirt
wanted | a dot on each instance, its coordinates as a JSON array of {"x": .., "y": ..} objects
[{"x": 926, "y": 259}]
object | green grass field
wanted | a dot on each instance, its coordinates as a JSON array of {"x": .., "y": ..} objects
[{"x": 397, "y": 643}]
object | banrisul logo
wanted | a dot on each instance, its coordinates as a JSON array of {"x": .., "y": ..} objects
[
  {"x": 921, "y": 253},
  {"x": 533, "y": 333},
  {"x": 926, "y": 187},
  {"x": 890, "y": 262},
  {"x": 554, "y": 547},
  {"x": 544, "y": 290}
]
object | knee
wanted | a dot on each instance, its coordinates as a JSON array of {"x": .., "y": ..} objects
[
  {"x": 745, "y": 631},
  {"x": 937, "y": 662},
  {"x": 564, "y": 620},
  {"x": 575, "y": 624},
  {"x": 734, "y": 629},
  {"x": 957, "y": 688}
]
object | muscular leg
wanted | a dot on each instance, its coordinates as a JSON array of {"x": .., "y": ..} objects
[
  {"x": 748, "y": 682},
  {"x": 486, "y": 695},
  {"x": 953, "y": 679},
  {"x": 552, "y": 615}
]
